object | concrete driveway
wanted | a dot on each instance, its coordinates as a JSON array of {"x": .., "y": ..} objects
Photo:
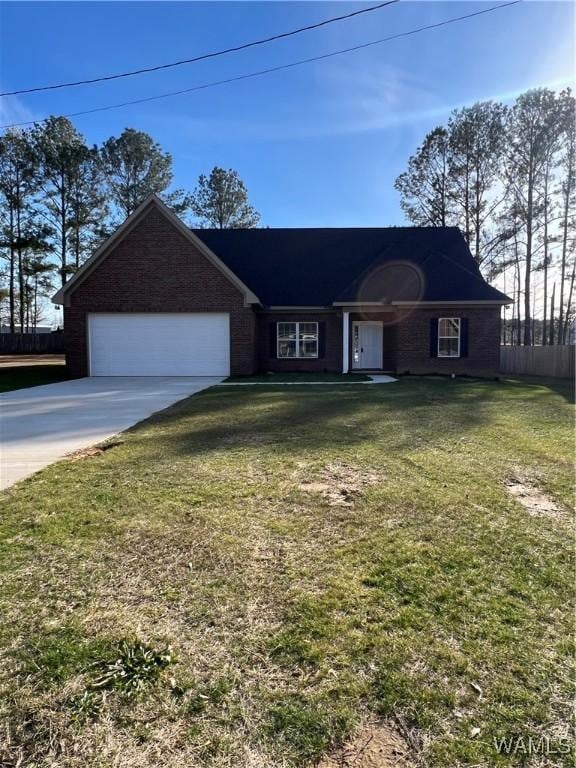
[{"x": 41, "y": 424}]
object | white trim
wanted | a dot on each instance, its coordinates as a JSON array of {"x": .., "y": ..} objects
[
  {"x": 384, "y": 307},
  {"x": 62, "y": 296},
  {"x": 345, "y": 341},
  {"x": 296, "y": 309},
  {"x": 297, "y": 356},
  {"x": 360, "y": 304},
  {"x": 451, "y": 319},
  {"x": 477, "y": 303}
]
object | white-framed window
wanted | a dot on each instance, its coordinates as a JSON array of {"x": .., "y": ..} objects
[
  {"x": 297, "y": 339},
  {"x": 449, "y": 337}
]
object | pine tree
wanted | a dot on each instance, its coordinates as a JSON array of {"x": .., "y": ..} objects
[
  {"x": 221, "y": 201},
  {"x": 476, "y": 139},
  {"x": 531, "y": 133},
  {"x": 62, "y": 153},
  {"x": 567, "y": 191},
  {"x": 134, "y": 166},
  {"x": 19, "y": 180},
  {"x": 426, "y": 187}
]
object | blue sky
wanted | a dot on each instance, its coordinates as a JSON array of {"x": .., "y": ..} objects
[{"x": 318, "y": 145}]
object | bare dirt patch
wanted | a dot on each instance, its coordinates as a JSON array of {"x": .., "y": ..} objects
[
  {"x": 533, "y": 499},
  {"x": 375, "y": 745},
  {"x": 340, "y": 484},
  {"x": 91, "y": 451}
]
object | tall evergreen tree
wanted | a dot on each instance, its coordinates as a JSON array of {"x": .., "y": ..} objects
[
  {"x": 38, "y": 273},
  {"x": 221, "y": 201},
  {"x": 476, "y": 139},
  {"x": 567, "y": 192},
  {"x": 19, "y": 180},
  {"x": 134, "y": 166},
  {"x": 62, "y": 153},
  {"x": 88, "y": 208},
  {"x": 426, "y": 187},
  {"x": 532, "y": 131}
]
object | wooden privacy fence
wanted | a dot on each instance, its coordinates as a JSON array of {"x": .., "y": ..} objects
[
  {"x": 557, "y": 361},
  {"x": 31, "y": 343}
]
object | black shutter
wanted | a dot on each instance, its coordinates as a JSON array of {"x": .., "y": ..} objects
[
  {"x": 434, "y": 337},
  {"x": 273, "y": 339},
  {"x": 463, "y": 337},
  {"x": 321, "y": 339}
]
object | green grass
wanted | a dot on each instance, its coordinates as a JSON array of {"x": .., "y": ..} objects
[
  {"x": 25, "y": 376},
  {"x": 310, "y": 555},
  {"x": 277, "y": 378}
]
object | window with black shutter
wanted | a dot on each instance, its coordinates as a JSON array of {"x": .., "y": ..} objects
[{"x": 449, "y": 336}]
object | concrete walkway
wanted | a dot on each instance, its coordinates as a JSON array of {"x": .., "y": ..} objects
[
  {"x": 376, "y": 379},
  {"x": 41, "y": 424}
]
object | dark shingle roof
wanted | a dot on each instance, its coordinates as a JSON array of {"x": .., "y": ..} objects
[{"x": 315, "y": 267}]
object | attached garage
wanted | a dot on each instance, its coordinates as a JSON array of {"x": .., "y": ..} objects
[{"x": 159, "y": 344}]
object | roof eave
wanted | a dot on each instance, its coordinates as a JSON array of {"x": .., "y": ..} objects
[
  {"x": 456, "y": 302},
  {"x": 428, "y": 303}
]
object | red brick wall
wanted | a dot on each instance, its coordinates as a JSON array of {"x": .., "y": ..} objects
[
  {"x": 413, "y": 354},
  {"x": 156, "y": 269},
  {"x": 331, "y": 360},
  {"x": 406, "y": 340}
]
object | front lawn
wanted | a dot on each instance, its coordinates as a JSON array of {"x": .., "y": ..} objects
[
  {"x": 24, "y": 376},
  {"x": 242, "y": 578}
]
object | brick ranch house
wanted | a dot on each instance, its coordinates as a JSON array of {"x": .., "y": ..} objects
[{"x": 160, "y": 299}]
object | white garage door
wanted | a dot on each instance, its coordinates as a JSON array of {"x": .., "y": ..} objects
[{"x": 159, "y": 344}]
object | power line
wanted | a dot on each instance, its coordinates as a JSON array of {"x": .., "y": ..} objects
[
  {"x": 270, "y": 70},
  {"x": 204, "y": 56}
]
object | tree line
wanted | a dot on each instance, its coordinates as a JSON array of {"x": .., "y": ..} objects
[
  {"x": 506, "y": 175},
  {"x": 60, "y": 198}
]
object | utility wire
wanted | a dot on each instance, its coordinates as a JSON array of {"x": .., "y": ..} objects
[
  {"x": 261, "y": 72},
  {"x": 204, "y": 56}
]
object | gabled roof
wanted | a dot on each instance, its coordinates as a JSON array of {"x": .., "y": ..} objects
[
  {"x": 319, "y": 267},
  {"x": 322, "y": 267},
  {"x": 152, "y": 201}
]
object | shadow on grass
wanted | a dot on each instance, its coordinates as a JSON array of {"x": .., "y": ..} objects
[
  {"x": 24, "y": 376},
  {"x": 295, "y": 420},
  {"x": 566, "y": 388}
]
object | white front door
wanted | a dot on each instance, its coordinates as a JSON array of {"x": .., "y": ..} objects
[
  {"x": 367, "y": 340},
  {"x": 159, "y": 344}
]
